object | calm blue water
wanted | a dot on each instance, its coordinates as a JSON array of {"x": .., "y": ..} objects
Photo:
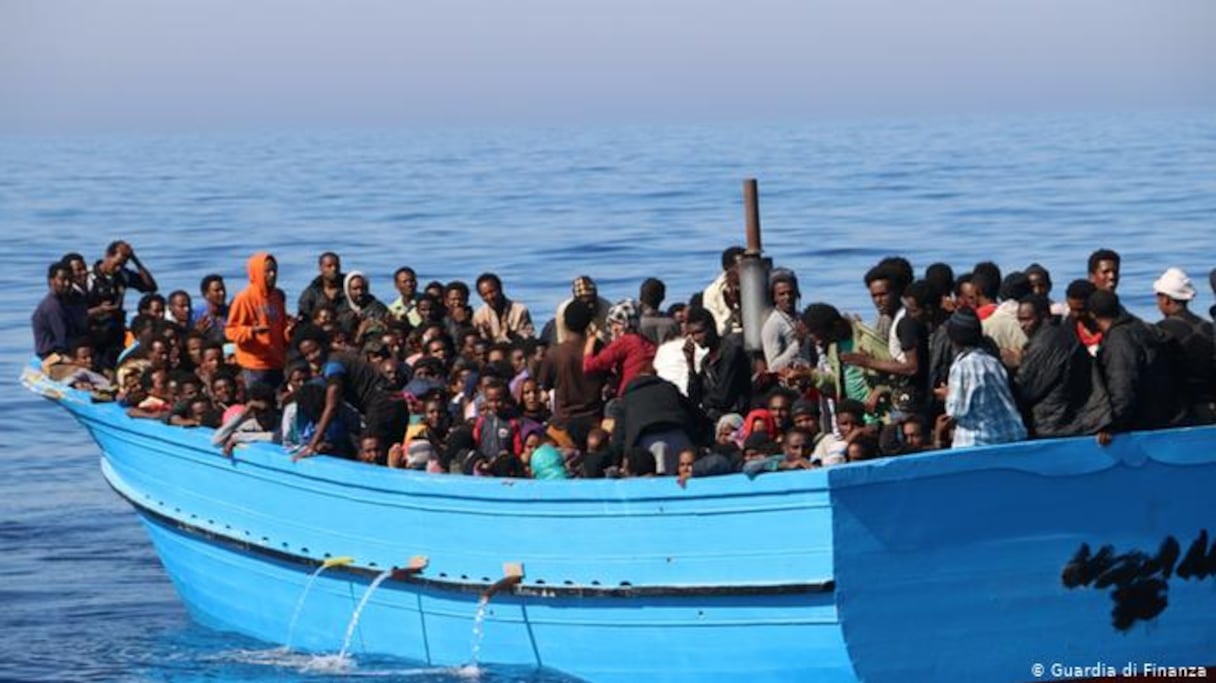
[{"x": 82, "y": 596}]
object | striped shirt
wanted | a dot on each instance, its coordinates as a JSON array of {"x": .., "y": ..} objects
[{"x": 981, "y": 403}]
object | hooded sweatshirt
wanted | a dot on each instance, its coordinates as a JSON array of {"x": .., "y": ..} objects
[{"x": 257, "y": 306}]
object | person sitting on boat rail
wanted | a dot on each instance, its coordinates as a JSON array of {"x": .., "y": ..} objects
[
  {"x": 257, "y": 323},
  {"x": 351, "y": 379},
  {"x": 1194, "y": 337},
  {"x": 57, "y": 324},
  {"x": 499, "y": 318},
  {"x": 978, "y": 399}
]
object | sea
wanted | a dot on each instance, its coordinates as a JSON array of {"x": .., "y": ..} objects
[{"x": 82, "y": 595}]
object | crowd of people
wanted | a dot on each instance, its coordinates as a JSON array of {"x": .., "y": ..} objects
[{"x": 632, "y": 388}]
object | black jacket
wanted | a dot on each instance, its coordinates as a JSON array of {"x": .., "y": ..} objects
[
  {"x": 724, "y": 384},
  {"x": 1058, "y": 388},
  {"x": 1196, "y": 352},
  {"x": 1136, "y": 368},
  {"x": 650, "y": 404},
  {"x": 314, "y": 296}
]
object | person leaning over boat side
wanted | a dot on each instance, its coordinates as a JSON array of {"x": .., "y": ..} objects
[
  {"x": 978, "y": 400},
  {"x": 1057, "y": 387},
  {"x": 653, "y": 323},
  {"x": 351, "y": 379},
  {"x": 723, "y": 384},
  {"x": 57, "y": 324},
  {"x": 210, "y": 317},
  {"x": 325, "y": 288},
  {"x": 257, "y": 323},
  {"x": 108, "y": 282},
  {"x": 782, "y": 337},
  {"x": 1103, "y": 269},
  {"x": 584, "y": 289},
  {"x": 499, "y": 318},
  {"x": 654, "y": 414},
  {"x": 1194, "y": 337},
  {"x": 1137, "y": 367}
]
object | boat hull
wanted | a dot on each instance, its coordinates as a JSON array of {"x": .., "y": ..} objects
[{"x": 978, "y": 564}]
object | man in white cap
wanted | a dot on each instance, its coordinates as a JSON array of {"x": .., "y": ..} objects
[{"x": 1193, "y": 335}]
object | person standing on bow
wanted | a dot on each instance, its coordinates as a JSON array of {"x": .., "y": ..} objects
[
  {"x": 107, "y": 287},
  {"x": 257, "y": 324}
]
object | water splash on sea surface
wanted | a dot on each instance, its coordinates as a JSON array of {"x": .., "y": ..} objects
[
  {"x": 295, "y": 616},
  {"x": 479, "y": 632},
  {"x": 354, "y": 618}
]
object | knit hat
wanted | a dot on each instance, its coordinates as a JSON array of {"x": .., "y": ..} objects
[
  {"x": 963, "y": 327},
  {"x": 1175, "y": 284},
  {"x": 420, "y": 453},
  {"x": 583, "y": 286}
]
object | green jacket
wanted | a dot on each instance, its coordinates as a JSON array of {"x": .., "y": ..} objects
[{"x": 865, "y": 340}]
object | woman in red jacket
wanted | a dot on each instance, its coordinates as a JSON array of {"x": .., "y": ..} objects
[{"x": 628, "y": 353}]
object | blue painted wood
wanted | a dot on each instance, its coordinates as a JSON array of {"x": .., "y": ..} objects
[{"x": 949, "y": 566}]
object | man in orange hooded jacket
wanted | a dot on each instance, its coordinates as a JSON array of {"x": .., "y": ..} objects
[{"x": 257, "y": 323}]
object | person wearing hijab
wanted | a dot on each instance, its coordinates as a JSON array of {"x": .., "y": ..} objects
[
  {"x": 363, "y": 305},
  {"x": 547, "y": 463},
  {"x": 628, "y": 354}
]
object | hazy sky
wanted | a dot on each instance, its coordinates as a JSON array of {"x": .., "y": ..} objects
[{"x": 137, "y": 64}]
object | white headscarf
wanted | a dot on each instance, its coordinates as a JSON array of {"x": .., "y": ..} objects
[{"x": 354, "y": 305}]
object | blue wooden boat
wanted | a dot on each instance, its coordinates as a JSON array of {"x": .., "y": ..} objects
[{"x": 983, "y": 564}]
